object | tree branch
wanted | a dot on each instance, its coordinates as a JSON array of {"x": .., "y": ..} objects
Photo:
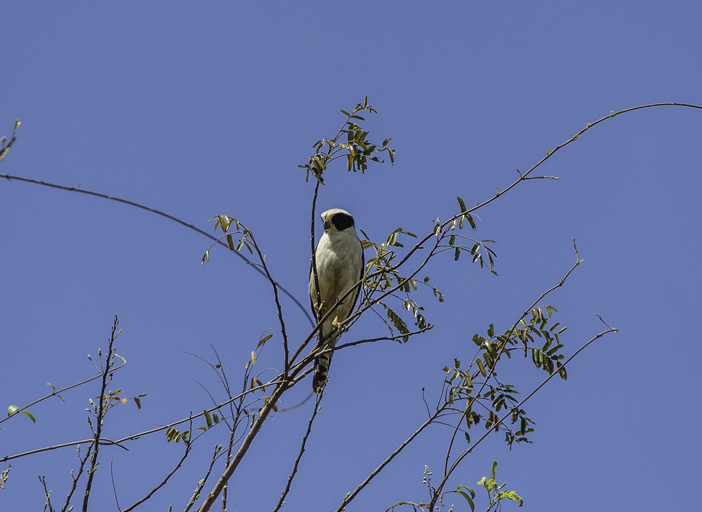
[
  {"x": 101, "y": 411},
  {"x": 350, "y": 496},
  {"x": 300, "y": 453},
  {"x": 162, "y": 214}
]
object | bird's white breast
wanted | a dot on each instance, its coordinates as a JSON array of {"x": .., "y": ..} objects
[{"x": 339, "y": 259}]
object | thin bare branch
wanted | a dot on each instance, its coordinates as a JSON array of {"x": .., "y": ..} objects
[
  {"x": 350, "y": 496},
  {"x": 101, "y": 411},
  {"x": 384, "y": 338},
  {"x": 75, "y": 478},
  {"x": 59, "y": 391},
  {"x": 291, "y": 477},
  {"x": 47, "y": 494},
  {"x": 163, "y": 482},
  {"x": 114, "y": 484},
  {"x": 275, "y": 286},
  {"x": 162, "y": 214},
  {"x": 203, "y": 481}
]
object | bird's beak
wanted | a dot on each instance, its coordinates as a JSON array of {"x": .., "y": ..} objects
[{"x": 327, "y": 225}]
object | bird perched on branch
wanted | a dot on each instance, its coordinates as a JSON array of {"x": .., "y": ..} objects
[{"x": 340, "y": 262}]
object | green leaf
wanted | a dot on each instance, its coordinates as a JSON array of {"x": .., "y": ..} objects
[
  {"x": 481, "y": 368},
  {"x": 399, "y": 324},
  {"x": 264, "y": 340},
  {"x": 461, "y": 204},
  {"x": 13, "y": 409},
  {"x": 510, "y": 495},
  {"x": 172, "y": 434},
  {"x": 469, "y": 499},
  {"x": 53, "y": 389},
  {"x": 208, "y": 419},
  {"x": 224, "y": 222}
]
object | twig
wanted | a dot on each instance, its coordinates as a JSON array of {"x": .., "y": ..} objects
[
  {"x": 101, "y": 411},
  {"x": 47, "y": 494},
  {"x": 384, "y": 338},
  {"x": 188, "y": 446},
  {"x": 350, "y": 496},
  {"x": 300, "y": 453},
  {"x": 114, "y": 485},
  {"x": 74, "y": 478},
  {"x": 201, "y": 483},
  {"x": 236, "y": 418},
  {"x": 57, "y": 392},
  {"x": 275, "y": 286}
]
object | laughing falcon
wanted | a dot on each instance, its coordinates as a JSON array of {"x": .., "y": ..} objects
[{"x": 340, "y": 263}]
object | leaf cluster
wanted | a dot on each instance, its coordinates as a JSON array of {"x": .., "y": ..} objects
[
  {"x": 350, "y": 142},
  {"x": 478, "y": 384}
]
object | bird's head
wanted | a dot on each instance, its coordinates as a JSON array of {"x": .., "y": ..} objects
[{"x": 337, "y": 219}]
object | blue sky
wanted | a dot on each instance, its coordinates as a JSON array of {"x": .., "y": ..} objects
[{"x": 204, "y": 109}]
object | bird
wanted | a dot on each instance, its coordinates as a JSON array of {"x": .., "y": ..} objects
[{"x": 340, "y": 263}]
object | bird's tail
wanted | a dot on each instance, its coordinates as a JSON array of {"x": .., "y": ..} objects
[{"x": 321, "y": 369}]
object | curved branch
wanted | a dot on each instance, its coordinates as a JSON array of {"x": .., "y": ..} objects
[
  {"x": 162, "y": 214},
  {"x": 525, "y": 176}
]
